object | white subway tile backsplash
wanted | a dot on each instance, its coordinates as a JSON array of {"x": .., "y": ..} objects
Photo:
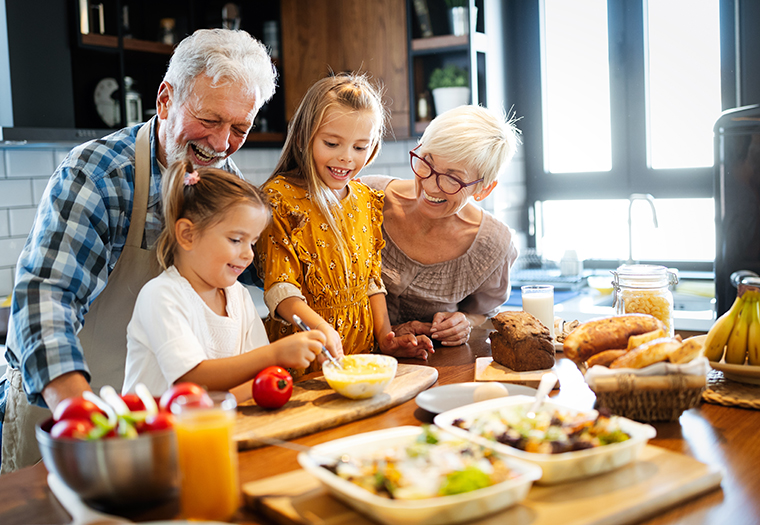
[
  {"x": 15, "y": 193},
  {"x": 396, "y": 151},
  {"x": 29, "y": 162},
  {"x": 5, "y": 229},
  {"x": 264, "y": 159},
  {"x": 10, "y": 249},
  {"x": 21, "y": 220},
  {"x": 59, "y": 154},
  {"x": 402, "y": 172},
  {"x": 6, "y": 281},
  {"x": 38, "y": 188}
]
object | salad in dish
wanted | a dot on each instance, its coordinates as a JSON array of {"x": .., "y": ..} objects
[
  {"x": 552, "y": 431},
  {"x": 433, "y": 465}
]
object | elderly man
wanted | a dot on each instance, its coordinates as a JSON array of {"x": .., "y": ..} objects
[{"x": 88, "y": 253}]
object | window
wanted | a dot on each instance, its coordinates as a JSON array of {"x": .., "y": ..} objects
[{"x": 623, "y": 102}]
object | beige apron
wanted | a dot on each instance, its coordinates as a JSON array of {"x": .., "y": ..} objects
[{"x": 104, "y": 334}]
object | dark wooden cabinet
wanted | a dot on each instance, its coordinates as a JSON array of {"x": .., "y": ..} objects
[
  {"x": 136, "y": 42},
  {"x": 58, "y": 52},
  {"x": 320, "y": 36}
]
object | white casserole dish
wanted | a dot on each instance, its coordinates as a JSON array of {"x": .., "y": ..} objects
[
  {"x": 560, "y": 467},
  {"x": 431, "y": 511}
]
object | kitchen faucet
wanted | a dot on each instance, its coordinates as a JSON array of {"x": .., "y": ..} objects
[{"x": 636, "y": 196}]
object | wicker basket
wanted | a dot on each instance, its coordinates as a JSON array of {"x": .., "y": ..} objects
[{"x": 649, "y": 398}]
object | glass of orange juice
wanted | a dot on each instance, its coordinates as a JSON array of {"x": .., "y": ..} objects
[{"x": 209, "y": 488}]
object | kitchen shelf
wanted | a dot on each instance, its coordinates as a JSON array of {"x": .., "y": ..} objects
[
  {"x": 467, "y": 51},
  {"x": 128, "y": 44},
  {"x": 438, "y": 44}
]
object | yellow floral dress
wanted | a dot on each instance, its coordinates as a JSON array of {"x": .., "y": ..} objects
[{"x": 300, "y": 255}]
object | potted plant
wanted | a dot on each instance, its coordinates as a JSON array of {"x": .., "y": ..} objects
[{"x": 450, "y": 87}]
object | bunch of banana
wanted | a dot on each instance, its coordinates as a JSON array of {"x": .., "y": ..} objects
[{"x": 736, "y": 333}]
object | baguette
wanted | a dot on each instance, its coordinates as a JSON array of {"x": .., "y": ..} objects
[
  {"x": 606, "y": 333},
  {"x": 647, "y": 354}
]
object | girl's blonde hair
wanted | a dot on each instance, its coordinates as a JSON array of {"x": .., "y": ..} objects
[
  {"x": 480, "y": 138},
  {"x": 203, "y": 201},
  {"x": 351, "y": 91}
]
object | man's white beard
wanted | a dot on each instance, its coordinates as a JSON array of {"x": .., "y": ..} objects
[{"x": 175, "y": 152}]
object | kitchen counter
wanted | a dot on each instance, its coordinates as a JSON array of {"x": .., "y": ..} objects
[
  {"x": 723, "y": 437},
  {"x": 691, "y": 312}
]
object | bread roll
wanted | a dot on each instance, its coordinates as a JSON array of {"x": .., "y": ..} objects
[
  {"x": 647, "y": 354},
  {"x": 605, "y": 358},
  {"x": 690, "y": 349},
  {"x": 606, "y": 333}
]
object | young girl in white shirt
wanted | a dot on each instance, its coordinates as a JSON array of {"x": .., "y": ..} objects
[{"x": 195, "y": 322}]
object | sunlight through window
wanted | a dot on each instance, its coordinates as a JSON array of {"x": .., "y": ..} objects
[
  {"x": 683, "y": 81},
  {"x": 576, "y": 86}
]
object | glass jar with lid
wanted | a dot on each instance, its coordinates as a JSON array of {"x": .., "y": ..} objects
[{"x": 645, "y": 289}]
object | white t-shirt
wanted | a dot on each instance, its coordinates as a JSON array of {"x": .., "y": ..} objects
[{"x": 172, "y": 330}]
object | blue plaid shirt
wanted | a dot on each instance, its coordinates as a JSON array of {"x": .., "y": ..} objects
[{"x": 78, "y": 235}]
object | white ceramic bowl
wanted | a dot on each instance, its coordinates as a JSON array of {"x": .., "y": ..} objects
[
  {"x": 560, "y": 467},
  {"x": 430, "y": 511},
  {"x": 362, "y": 375}
]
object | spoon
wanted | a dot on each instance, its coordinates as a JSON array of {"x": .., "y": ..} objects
[
  {"x": 544, "y": 387},
  {"x": 276, "y": 442},
  {"x": 300, "y": 324}
]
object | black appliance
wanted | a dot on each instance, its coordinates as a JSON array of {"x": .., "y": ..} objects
[{"x": 737, "y": 199}]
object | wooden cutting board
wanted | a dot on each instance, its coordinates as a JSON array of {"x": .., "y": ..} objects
[
  {"x": 658, "y": 480},
  {"x": 486, "y": 369},
  {"x": 314, "y": 406}
]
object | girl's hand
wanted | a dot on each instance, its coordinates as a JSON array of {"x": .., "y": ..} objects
[
  {"x": 450, "y": 328},
  {"x": 408, "y": 345},
  {"x": 332, "y": 340},
  {"x": 300, "y": 349},
  {"x": 413, "y": 327}
]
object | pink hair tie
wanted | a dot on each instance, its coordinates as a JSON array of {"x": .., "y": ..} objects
[{"x": 192, "y": 178}]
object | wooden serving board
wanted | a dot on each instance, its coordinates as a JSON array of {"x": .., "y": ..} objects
[
  {"x": 486, "y": 369},
  {"x": 658, "y": 480},
  {"x": 314, "y": 406}
]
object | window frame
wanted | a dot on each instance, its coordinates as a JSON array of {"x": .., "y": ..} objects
[{"x": 630, "y": 172}]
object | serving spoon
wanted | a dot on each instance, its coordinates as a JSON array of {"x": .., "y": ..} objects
[
  {"x": 300, "y": 324},
  {"x": 544, "y": 387}
]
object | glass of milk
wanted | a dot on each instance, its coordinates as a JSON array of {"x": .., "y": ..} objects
[{"x": 538, "y": 300}]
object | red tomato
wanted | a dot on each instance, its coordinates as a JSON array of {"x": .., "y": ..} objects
[
  {"x": 272, "y": 387},
  {"x": 71, "y": 428},
  {"x": 184, "y": 389},
  {"x": 75, "y": 408},
  {"x": 133, "y": 402},
  {"x": 160, "y": 421}
]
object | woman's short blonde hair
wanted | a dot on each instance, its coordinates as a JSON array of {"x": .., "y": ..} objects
[{"x": 480, "y": 139}]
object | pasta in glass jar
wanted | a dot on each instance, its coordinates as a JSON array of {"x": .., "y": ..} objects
[{"x": 645, "y": 289}]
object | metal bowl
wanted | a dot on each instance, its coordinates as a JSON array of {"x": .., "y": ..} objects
[{"x": 114, "y": 472}]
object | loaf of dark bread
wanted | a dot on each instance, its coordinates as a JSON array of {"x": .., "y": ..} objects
[{"x": 521, "y": 342}]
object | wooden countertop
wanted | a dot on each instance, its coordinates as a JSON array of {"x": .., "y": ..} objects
[{"x": 720, "y": 436}]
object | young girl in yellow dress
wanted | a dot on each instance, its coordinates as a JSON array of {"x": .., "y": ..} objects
[{"x": 320, "y": 257}]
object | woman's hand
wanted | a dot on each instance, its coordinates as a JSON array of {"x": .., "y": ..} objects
[
  {"x": 300, "y": 349},
  {"x": 450, "y": 328},
  {"x": 408, "y": 345},
  {"x": 332, "y": 340}
]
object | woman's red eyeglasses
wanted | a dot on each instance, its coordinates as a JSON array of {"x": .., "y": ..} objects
[{"x": 448, "y": 184}]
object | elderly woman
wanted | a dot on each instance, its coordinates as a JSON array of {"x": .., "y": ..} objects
[{"x": 446, "y": 261}]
